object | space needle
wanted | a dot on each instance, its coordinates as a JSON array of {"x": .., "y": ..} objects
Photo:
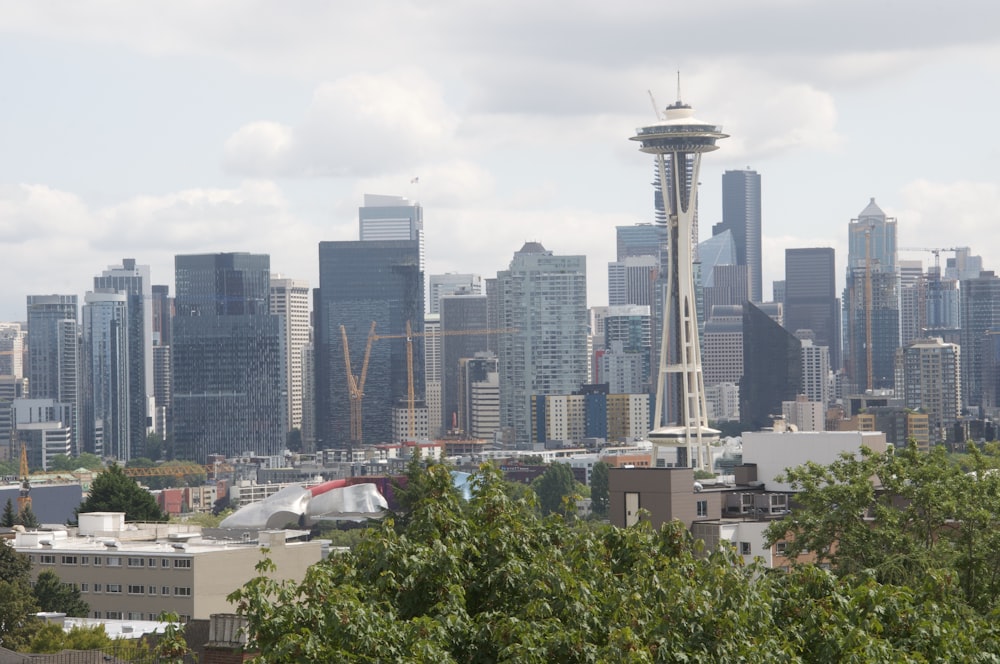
[{"x": 678, "y": 141}]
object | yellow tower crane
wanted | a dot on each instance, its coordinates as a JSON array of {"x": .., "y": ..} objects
[
  {"x": 409, "y": 335},
  {"x": 356, "y": 384},
  {"x": 24, "y": 495}
]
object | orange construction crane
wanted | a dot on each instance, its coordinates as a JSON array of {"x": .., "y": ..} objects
[
  {"x": 356, "y": 384},
  {"x": 409, "y": 335},
  {"x": 24, "y": 495}
]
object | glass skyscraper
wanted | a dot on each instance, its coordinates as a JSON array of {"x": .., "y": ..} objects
[
  {"x": 361, "y": 282},
  {"x": 811, "y": 301},
  {"x": 227, "y": 358}
]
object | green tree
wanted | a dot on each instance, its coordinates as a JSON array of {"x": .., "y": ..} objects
[
  {"x": 17, "y": 603},
  {"x": 7, "y": 520},
  {"x": 54, "y": 595},
  {"x": 64, "y": 463},
  {"x": 901, "y": 516},
  {"x": 172, "y": 646},
  {"x": 26, "y": 517},
  {"x": 556, "y": 489},
  {"x": 599, "y": 492},
  {"x": 155, "y": 447},
  {"x": 491, "y": 580},
  {"x": 114, "y": 491}
]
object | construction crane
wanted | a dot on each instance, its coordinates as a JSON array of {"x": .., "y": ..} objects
[
  {"x": 408, "y": 336},
  {"x": 24, "y": 495},
  {"x": 934, "y": 250},
  {"x": 356, "y": 384}
]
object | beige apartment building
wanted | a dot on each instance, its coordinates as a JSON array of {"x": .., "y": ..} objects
[{"x": 137, "y": 571}]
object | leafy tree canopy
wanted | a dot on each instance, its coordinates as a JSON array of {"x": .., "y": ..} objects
[
  {"x": 902, "y": 517},
  {"x": 114, "y": 491},
  {"x": 556, "y": 489},
  {"x": 64, "y": 463},
  {"x": 54, "y": 595},
  {"x": 17, "y": 603},
  {"x": 491, "y": 580},
  {"x": 599, "y": 492}
]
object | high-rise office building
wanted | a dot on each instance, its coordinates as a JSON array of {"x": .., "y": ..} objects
[
  {"x": 544, "y": 297},
  {"x": 942, "y": 311},
  {"x": 163, "y": 316},
  {"x": 460, "y": 314},
  {"x": 811, "y": 301},
  {"x": 290, "y": 300},
  {"x": 741, "y": 215},
  {"x": 912, "y": 301},
  {"x": 440, "y": 285},
  {"x": 360, "y": 283},
  {"x": 680, "y": 418},
  {"x": 626, "y": 361},
  {"x": 772, "y": 368},
  {"x": 871, "y": 300},
  {"x": 106, "y": 423},
  {"x": 392, "y": 218},
  {"x": 728, "y": 285},
  {"x": 640, "y": 240},
  {"x": 134, "y": 281},
  {"x": 479, "y": 396},
  {"x": 931, "y": 383},
  {"x": 722, "y": 359},
  {"x": 979, "y": 316},
  {"x": 227, "y": 358},
  {"x": 432, "y": 373},
  {"x": 632, "y": 280},
  {"x": 815, "y": 371},
  {"x": 11, "y": 350},
  {"x": 54, "y": 354}
]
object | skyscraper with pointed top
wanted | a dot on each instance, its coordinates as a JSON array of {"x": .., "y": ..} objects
[
  {"x": 680, "y": 423},
  {"x": 871, "y": 300}
]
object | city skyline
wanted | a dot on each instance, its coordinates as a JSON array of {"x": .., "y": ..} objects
[{"x": 127, "y": 136}]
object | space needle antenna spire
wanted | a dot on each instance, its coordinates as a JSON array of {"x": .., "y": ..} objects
[
  {"x": 681, "y": 435},
  {"x": 678, "y": 86}
]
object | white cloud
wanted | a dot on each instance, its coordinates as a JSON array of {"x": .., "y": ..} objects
[
  {"x": 949, "y": 214},
  {"x": 359, "y": 125}
]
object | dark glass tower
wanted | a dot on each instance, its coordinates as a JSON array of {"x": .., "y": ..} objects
[
  {"x": 811, "y": 301},
  {"x": 772, "y": 368},
  {"x": 133, "y": 280},
  {"x": 459, "y": 313},
  {"x": 741, "y": 214},
  {"x": 227, "y": 358},
  {"x": 362, "y": 282},
  {"x": 980, "y": 316}
]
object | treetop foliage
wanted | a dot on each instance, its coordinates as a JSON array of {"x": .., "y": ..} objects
[
  {"x": 901, "y": 516},
  {"x": 491, "y": 580},
  {"x": 114, "y": 491}
]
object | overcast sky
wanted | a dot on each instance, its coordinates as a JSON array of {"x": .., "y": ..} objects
[{"x": 148, "y": 129}]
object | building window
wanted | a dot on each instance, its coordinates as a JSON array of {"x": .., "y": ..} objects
[
  {"x": 85, "y": 587},
  {"x": 152, "y": 562},
  {"x": 114, "y": 561},
  {"x": 114, "y": 615},
  {"x": 165, "y": 590},
  {"x": 136, "y": 562},
  {"x": 114, "y": 587},
  {"x": 164, "y": 562},
  {"x": 135, "y": 615},
  {"x": 97, "y": 561},
  {"x": 702, "y": 507},
  {"x": 47, "y": 559},
  {"x": 182, "y": 592},
  {"x": 97, "y": 588},
  {"x": 745, "y": 549},
  {"x": 779, "y": 548},
  {"x": 69, "y": 560},
  {"x": 97, "y": 614},
  {"x": 152, "y": 590},
  {"x": 182, "y": 562},
  {"x": 136, "y": 590},
  {"x": 84, "y": 560}
]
